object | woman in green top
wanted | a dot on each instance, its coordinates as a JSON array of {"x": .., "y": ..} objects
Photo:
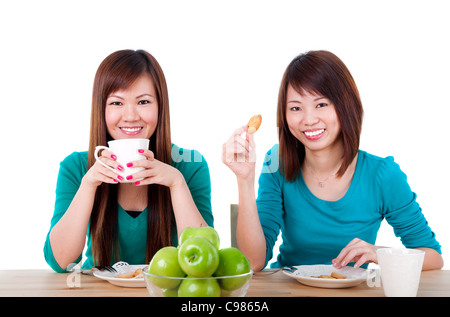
[{"x": 127, "y": 221}]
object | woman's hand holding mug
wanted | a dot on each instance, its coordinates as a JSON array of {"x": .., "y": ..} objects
[
  {"x": 130, "y": 161},
  {"x": 105, "y": 170},
  {"x": 154, "y": 171},
  {"x": 113, "y": 165}
]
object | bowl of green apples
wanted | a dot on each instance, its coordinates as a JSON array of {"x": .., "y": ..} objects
[{"x": 198, "y": 268}]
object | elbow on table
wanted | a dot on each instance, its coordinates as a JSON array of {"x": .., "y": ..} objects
[
  {"x": 257, "y": 267},
  {"x": 433, "y": 260},
  {"x": 438, "y": 265},
  {"x": 257, "y": 264}
]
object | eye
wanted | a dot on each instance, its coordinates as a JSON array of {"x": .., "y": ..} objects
[
  {"x": 115, "y": 103},
  {"x": 143, "y": 102},
  {"x": 321, "y": 105},
  {"x": 295, "y": 109}
]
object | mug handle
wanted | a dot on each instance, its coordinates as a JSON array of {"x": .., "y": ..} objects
[{"x": 97, "y": 149}]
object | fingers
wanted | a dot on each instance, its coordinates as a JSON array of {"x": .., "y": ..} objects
[
  {"x": 363, "y": 259},
  {"x": 240, "y": 130},
  {"x": 149, "y": 157},
  {"x": 110, "y": 176},
  {"x": 109, "y": 159},
  {"x": 348, "y": 255},
  {"x": 99, "y": 174},
  {"x": 357, "y": 251},
  {"x": 238, "y": 148},
  {"x": 251, "y": 147},
  {"x": 147, "y": 153},
  {"x": 155, "y": 172},
  {"x": 111, "y": 173},
  {"x": 105, "y": 175},
  {"x": 152, "y": 169},
  {"x": 342, "y": 259}
]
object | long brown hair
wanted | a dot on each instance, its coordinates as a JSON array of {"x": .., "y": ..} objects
[
  {"x": 118, "y": 71},
  {"x": 323, "y": 73}
]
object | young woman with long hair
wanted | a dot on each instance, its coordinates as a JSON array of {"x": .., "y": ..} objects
[
  {"x": 325, "y": 195},
  {"x": 127, "y": 221}
]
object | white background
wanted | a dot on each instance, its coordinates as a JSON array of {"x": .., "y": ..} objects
[{"x": 223, "y": 62}]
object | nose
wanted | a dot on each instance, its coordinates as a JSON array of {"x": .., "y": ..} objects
[
  {"x": 309, "y": 117},
  {"x": 130, "y": 113}
]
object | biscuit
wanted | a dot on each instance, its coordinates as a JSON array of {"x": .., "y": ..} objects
[
  {"x": 333, "y": 276},
  {"x": 337, "y": 275},
  {"x": 254, "y": 123},
  {"x": 125, "y": 275},
  {"x": 129, "y": 274}
]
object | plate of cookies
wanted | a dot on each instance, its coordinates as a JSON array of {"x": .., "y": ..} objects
[
  {"x": 126, "y": 275},
  {"x": 326, "y": 276}
]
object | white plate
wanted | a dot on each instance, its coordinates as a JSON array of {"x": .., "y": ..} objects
[
  {"x": 304, "y": 272},
  {"x": 123, "y": 267}
]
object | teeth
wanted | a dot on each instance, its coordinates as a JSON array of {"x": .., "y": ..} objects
[
  {"x": 131, "y": 129},
  {"x": 314, "y": 133}
]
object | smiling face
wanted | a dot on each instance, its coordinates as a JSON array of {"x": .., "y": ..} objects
[
  {"x": 312, "y": 119},
  {"x": 132, "y": 112}
]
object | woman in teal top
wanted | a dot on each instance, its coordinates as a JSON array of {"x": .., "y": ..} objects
[
  {"x": 127, "y": 221},
  {"x": 326, "y": 196}
]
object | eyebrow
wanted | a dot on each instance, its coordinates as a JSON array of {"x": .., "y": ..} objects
[
  {"x": 144, "y": 95},
  {"x": 140, "y": 96},
  {"x": 315, "y": 99}
]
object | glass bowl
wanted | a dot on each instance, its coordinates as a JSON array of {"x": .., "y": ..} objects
[{"x": 223, "y": 286}]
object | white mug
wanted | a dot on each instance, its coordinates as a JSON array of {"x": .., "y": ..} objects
[
  {"x": 400, "y": 270},
  {"x": 126, "y": 151}
]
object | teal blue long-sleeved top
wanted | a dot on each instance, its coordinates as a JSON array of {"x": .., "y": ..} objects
[
  {"x": 314, "y": 231},
  {"x": 132, "y": 232}
]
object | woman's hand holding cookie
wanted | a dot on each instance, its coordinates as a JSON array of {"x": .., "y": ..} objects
[{"x": 238, "y": 153}]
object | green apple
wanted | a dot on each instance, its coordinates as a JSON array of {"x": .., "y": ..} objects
[
  {"x": 198, "y": 257},
  {"x": 173, "y": 292},
  {"x": 232, "y": 262},
  {"x": 207, "y": 232},
  {"x": 165, "y": 263},
  {"x": 199, "y": 287}
]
